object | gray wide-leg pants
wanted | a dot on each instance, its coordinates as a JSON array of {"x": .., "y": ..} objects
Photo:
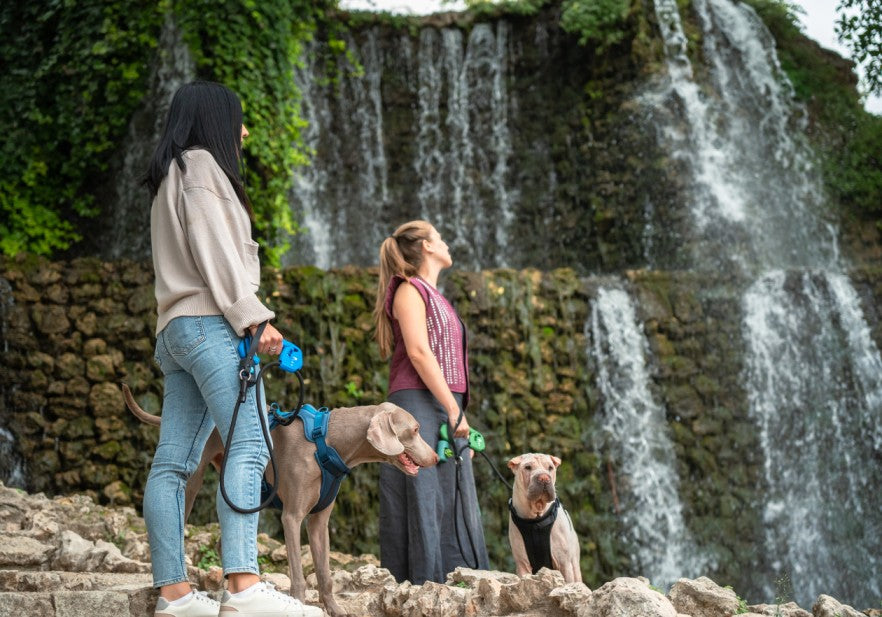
[{"x": 421, "y": 537}]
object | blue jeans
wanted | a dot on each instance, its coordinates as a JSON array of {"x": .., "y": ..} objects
[{"x": 199, "y": 362}]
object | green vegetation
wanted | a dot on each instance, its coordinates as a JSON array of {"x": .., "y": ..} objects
[
  {"x": 783, "y": 592},
  {"x": 860, "y": 27},
  {"x": 506, "y": 7},
  {"x": 253, "y": 47},
  {"x": 208, "y": 558},
  {"x": 596, "y": 22},
  {"x": 78, "y": 72},
  {"x": 846, "y": 137},
  {"x": 75, "y": 73}
]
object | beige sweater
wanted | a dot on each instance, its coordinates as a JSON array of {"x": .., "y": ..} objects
[{"x": 204, "y": 258}]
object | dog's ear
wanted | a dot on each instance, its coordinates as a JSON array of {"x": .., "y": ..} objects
[
  {"x": 556, "y": 461},
  {"x": 381, "y": 434},
  {"x": 514, "y": 462}
]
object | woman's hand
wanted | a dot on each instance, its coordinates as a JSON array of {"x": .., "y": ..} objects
[
  {"x": 463, "y": 429},
  {"x": 270, "y": 340}
]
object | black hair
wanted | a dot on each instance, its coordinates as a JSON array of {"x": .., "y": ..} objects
[{"x": 206, "y": 115}]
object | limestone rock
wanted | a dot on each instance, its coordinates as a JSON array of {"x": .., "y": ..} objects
[
  {"x": 703, "y": 597},
  {"x": 16, "y": 604},
  {"x": 80, "y": 555},
  {"x": 530, "y": 592},
  {"x": 790, "y": 609},
  {"x": 77, "y": 604},
  {"x": 572, "y": 597},
  {"x": 370, "y": 577},
  {"x": 435, "y": 600},
  {"x": 830, "y": 607},
  {"x": 393, "y": 597},
  {"x": 22, "y": 551},
  {"x": 627, "y": 597}
]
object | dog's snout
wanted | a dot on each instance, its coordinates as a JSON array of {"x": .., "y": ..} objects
[
  {"x": 543, "y": 478},
  {"x": 434, "y": 458}
]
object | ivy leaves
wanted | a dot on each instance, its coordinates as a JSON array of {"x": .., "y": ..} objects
[
  {"x": 860, "y": 27},
  {"x": 253, "y": 47},
  {"x": 76, "y": 72}
]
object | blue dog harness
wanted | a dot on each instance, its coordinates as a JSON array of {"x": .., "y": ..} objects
[{"x": 315, "y": 427}]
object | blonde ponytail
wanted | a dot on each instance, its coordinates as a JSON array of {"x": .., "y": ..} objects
[{"x": 400, "y": 255}]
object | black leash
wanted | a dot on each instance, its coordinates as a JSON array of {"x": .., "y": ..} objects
[
  {"x": 457, "y": 491},
  {"x": 457, "y": 459},
  {"x": 496, "y": 471},
  {"x": 250, "y": 376}
]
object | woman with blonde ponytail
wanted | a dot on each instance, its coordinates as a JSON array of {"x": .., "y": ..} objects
[{"x": 429, "y": 523}]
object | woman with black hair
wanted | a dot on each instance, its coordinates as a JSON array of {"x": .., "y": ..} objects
[{"x": 207, "y": 277}]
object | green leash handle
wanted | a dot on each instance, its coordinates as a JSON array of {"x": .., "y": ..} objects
[{"x": 445, "y": 451}]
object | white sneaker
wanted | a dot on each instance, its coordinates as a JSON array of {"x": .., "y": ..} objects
[
  {"x": 199, "y": 605},
  {"x": 265, "y": 601}
]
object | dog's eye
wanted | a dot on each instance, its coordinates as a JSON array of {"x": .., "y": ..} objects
[{"x": 528, "y": 467}]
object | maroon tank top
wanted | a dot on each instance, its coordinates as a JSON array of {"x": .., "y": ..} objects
[{"x": 447, "y": 340}]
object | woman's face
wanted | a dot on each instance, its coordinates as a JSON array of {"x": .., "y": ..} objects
[
  {"x": 439, "y": 248},
  {"x": 244, "y": 134}
]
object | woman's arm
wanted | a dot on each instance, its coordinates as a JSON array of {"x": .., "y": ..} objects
[{"x": 410, "y": 311}]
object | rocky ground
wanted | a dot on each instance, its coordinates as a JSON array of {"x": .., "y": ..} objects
[{"x": 68, "y": 557}]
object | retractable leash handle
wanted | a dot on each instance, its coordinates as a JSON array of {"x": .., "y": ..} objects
[
  {"x": 290, "y": 359},
  {"x": 445, "y": 450}
]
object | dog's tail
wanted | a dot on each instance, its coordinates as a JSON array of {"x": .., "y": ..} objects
[{"x": 142, "y": 415}]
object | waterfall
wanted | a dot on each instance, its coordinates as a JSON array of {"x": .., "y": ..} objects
[
  {"x": 311, "y": 182},
  {"x": 477, "y": 138},
  {"x": 342, "y": 197},
  {"x": 130, "y": 214},
  {"x": 12, "y": 471},
  {"x": 636, "y": 428},
  {"x": 815, "y": 390},
  {"x": 459, "y": 161},
  {"x": 813, "y": 375},
  {"x": 754, "y": 194}
]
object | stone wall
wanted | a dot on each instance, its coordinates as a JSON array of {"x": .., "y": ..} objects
[{"x": 72, "y": 331}]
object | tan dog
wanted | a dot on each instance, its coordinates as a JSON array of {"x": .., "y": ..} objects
[
  {"x": 540, "y": 531},
  {"x": 369, "y": 434}
]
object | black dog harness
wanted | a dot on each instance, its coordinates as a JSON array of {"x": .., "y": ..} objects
[{"x": 536, "y": 533}]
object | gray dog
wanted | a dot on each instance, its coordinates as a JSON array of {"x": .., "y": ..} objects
[
  {"x": 539, "y": 529},
  {"x": 368, "y": 434}
]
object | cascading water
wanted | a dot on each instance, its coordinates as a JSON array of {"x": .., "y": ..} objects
[
  {"x": 634, "y": 428},
  {"x": 130, "y": 214},
  {"x": 815, "y": 390},
  {"x": 813, "y": 373},
  {"x": 12, "y": 471},
  {"x": 342, "y": 198},
  {"x": 754, "y": 195},
  {"x": 459, "y": 159}
]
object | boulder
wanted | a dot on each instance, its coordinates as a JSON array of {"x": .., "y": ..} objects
[
  {"x": 830, "y": 607},
  {"x": 790, "y": 609},
  {"x": 703, "y": 597},
  {"x": 627, "y": 597}
]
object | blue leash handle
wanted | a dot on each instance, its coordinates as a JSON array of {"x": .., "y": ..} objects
[{"x": 290, "y": 360}]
